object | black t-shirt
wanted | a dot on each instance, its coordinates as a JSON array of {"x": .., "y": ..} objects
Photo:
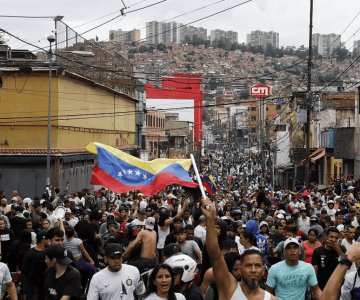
[
  {"x": 327, "y": 261},
  {"x": 170, "y": 238},
  {"x": 27, "y": 260},
  {"x": 7, "y": 238},
  {"x": 18, "y": 224},
  {"x": 38, "y": 267},
  {"x": 67, "y": 284}
]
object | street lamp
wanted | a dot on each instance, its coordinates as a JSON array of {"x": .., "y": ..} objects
[{"x": 51, "y": 39}]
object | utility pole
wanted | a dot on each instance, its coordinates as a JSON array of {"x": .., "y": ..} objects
[
  {"x": 309, "y": 99},
  {"x": 263, "y": 137},
  {"x": 51, "y": 39},
  {"x": 158, "y": 146}
]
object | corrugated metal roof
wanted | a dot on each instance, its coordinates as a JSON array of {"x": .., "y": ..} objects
[{"x": 53, "y": 151}]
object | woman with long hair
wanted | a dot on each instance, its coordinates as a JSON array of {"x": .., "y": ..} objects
[
  {"x": 248, "y": 241},
  {"x": 161, "y": 284},
  {"x": 310, "y": 244}
]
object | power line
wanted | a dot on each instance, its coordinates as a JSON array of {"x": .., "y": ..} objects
[
  {"x": 27, "y": 17},
  {"x": 122, "y": 14},
  {"x": 133, "y": 77},
  {"x": 341, "y": 74},
  {"x": 200, "y": 19},
  {"x": 91, "y": 115},
  {"x": 183, "y": 14}
]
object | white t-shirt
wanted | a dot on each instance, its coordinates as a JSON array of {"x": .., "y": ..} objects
[
  {"x": 304, "y": 225},
  {"x": 136, "y": 223},
  {"x": 153, "y": 296},
  {"x": 73, "y": 221},
  {"x": 200, "y": 232},
  {"x": 121, "y": 285},
  {"x": 5, "y": 277},
  {"x": 52, "y": 220},
  {"x": 251, "y": 248},
  {"x": 73, "y": 246},
  {"x": 346, "y": 244}
]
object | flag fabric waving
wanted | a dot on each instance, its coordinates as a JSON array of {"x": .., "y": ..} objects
[
  {"x": 209, "y": 183},
  {"x": 122, "y": 172}
]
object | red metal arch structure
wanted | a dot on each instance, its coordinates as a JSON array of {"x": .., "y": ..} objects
[{"x": 179, "y": 87}]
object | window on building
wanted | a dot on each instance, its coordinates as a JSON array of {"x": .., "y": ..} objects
[
  {"x": 143, "y": 142},
  {"x": 253, "y": 118},
  {"x": 253, "y": 108},
  {"x": 280, "y": 127}
]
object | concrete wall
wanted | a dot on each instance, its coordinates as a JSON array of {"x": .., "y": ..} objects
[
  {"x": 344, "y": 143},
  {"x": 81, "y": 113}
]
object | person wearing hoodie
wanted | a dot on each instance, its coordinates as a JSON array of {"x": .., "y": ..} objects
[
  {"x": 261, "y": 240},
  {"x": 264, "y": 229},
  {"x": 18, "y": 222}
]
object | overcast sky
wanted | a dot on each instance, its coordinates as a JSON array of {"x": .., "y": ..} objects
[{"x": 288, "y": 17}]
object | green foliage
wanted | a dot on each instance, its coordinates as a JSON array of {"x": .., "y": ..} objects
[
  {"x": 341, "y": 53},
  {"x": 196, "y": 41},
  {"x": 161, "y": 47}
]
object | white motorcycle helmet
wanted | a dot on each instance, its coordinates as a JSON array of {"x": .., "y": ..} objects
[{"x": 184, "y": 265}]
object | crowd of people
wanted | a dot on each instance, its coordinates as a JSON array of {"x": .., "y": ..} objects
[{"x": 248, "y": 240}]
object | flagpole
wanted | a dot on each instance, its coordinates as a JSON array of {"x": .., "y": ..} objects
[{"x": 198, "y": 176}]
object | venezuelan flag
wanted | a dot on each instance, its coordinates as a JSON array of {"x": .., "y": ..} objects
[
  {"x": 209, "y": 183},
  {"x": 122, "y": 172}
]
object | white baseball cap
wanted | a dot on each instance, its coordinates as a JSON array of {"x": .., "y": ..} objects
[
  {"x": 291, "y": 241},
  {"x": 150, "y": 223},
  {"x": 280, "y": 216}
]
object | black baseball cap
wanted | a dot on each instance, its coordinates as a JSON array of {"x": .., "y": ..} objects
[
  {"x": 113, "y": 249},
  {"x": 41, "y": 235},
  {"x": 59, "y": 253}
]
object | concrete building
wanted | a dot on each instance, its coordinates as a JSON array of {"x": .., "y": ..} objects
[
  {"x": 121, "y": 36},
  {"x": 153, "y": 32},
  {"x": 228, "y": 97},
  {"x": 162, "y": 32},
  {"x": 180, "y": 135},
  {"x": 218, "y": 34},
  {"x": 172, "y": 32},
  {"x": 154, "y": 134},
  {"x": 326, "y": 43},
  {"x": 75, "y": 122},
  {"x": 86, "y": 106},
  {"x": 190, "y": 32},
  {"x": 356, "y": 48},
  {"x": 260, "y": 38}
]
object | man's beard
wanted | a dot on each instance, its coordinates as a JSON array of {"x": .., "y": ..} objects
[{"x": 251, "y": 283}]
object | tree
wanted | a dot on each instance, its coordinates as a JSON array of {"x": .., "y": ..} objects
[
  {"x": 161, "y": 47},
  {"x": 340, "y": 53},
  {"x": 301, "y": 52},
  {"x": 143, "y": 49},
  {"x": 223, "y": 43},
  {"x": 195, "y": 40}
]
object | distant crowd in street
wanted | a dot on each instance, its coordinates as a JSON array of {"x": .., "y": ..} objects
[{"x": 246, "y": 240}]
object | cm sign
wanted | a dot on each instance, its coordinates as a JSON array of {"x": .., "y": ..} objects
[{"x": 260, "y": 90}]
